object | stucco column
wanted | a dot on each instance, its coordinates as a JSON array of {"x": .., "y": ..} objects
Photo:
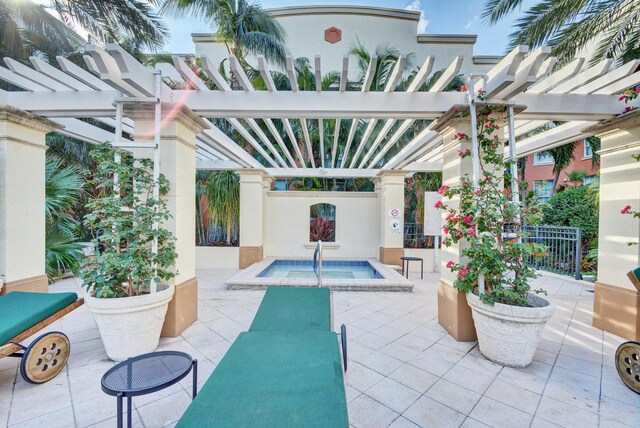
[
  {"x": 616, "y": 305},
  {"x": 390, "y": 188},
  {"x": 454, "y": 313},
  {"x": 253, "y": 190},
  {"x": 177, "y": 151},
  {"x": 22, "y": 200}
]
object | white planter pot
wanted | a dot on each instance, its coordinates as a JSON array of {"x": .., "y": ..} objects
[
  {"x": 131, "y": 326},
  {"x": 509, "y": 335}
]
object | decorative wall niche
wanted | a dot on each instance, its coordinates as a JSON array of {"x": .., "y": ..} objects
[{"x": 322, "y": 223}]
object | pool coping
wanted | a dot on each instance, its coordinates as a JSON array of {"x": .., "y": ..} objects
[{"x": 391, "y": 281}]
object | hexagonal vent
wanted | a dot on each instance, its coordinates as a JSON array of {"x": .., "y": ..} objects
[{"x": 333, "y": 35}]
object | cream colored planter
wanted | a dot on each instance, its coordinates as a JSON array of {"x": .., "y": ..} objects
[
  {"x": 509, "y": 335},
  {"x": 131, "y": 326}
]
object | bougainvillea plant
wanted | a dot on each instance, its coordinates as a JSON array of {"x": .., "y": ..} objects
[
  {"x": 627, "y": 209},
  {"x": 122, "y": 223},
  {"x": 628, "y": 96},
  {"x": 490, "y": 223}
]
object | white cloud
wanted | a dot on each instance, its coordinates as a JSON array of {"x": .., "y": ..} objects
[
  {"x": 423, "y": 23},
  {"x": 470, "y": 24}
]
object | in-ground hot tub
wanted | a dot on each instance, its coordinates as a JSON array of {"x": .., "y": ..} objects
[{"x": 337, "y": 274}]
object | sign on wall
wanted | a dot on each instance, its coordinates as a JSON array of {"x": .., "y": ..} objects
[
  {"x": 394, "y": 213},
  {"x": 432, "y": 215},
  {"x": 394, "y": 226}
]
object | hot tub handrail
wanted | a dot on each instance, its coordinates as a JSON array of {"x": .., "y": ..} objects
[{"x": 317, "y": 262}]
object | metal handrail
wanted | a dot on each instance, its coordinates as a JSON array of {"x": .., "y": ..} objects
[{"x": 317, "y": 262}]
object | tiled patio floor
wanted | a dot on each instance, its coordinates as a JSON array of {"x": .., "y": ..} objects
[{"x": 404, "y": 371}]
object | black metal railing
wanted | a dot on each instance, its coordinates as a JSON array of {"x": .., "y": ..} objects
[
  {"x": 414, "y": 236},
  {"x": 564, "y": 248}
]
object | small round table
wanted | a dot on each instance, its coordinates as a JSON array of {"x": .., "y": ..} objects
[
  {"x": 412, "y": 259},
  {"x": 145, "y": 374}
]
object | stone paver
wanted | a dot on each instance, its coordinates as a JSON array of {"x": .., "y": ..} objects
[{"x": 404, "y": 369}]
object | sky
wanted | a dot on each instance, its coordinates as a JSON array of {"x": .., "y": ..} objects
[{"x": 438, "y": 17}]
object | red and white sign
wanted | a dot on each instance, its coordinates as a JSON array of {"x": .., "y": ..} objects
[{"x": 394, "y": 213}]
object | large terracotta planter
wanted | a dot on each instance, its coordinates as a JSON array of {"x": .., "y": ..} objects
[
  {"x": 131, "y": 326},
  {"x": 509, "y": 335}
]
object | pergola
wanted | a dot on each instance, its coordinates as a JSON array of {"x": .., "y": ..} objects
[{"x": 119, "y": 92}]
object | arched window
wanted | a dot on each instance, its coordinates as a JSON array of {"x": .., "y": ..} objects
[{"x": 322, "y": 223}]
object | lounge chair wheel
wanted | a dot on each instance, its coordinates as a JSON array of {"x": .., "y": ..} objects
[
  {"x": 45, "y": 357},
  {"x": 628, "y": 365}
]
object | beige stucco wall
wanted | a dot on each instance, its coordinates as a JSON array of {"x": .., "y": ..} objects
[
  {"x": 287, "y": 231},
  {"x": 217, "y": 257},
  {"x": 619, "y": 186},
  {"x": 427, "y": 254},
  {"x": 305, "y": 27}
]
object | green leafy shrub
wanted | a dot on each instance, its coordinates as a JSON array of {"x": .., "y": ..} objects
[
  {"x": 576, "y": 207},
  {"x": 122, "y": 221}
]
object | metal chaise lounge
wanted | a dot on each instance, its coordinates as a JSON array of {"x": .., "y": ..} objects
[
  {"x": 286, "y": 371},
  {"x": 23, "y": 314}
]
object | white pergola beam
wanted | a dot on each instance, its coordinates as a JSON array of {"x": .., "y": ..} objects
[
  {"x": 307, "y": 140},
  {"x": 106, "y": 67},
  {"x": 396, "y": 74},
  {"x": 526, "y": 74},
  {"x": 82, "y": 75},
  {"x": 352, "y": 133},
  {"x": 557, "y": 78},
  {"x": 291, "y": 72},
  {"x": 448, "y": 75},
  {"x": 249, "y": 138},
  {"x": 188, "y": 75},
  {"x": 381, "y": 136},
  {"x": 583, "y": 78},
  {"x": 323, "y": 172},
  {"x": 562, "y": 134},
  {"x": 336, "y": 135},
  {"x": 393, "y": 140},
  {"x": 344, "y": 75},
  {"x": 503, "y": 74},
  {"x": 212, "y": 72},
  {"x": 217, "y": 165},
  {"x": 318, "y": 73},
  {"x": 411, "y": 148},
  {"x": 33, "y": 75},
  {"x": 266, "y": 74},
  {"x": 57, "y": 75},
  {"x": 239, "y": 73},
  {"x": 294, "y": 141},
  {"x": 274, "y": 131},
  {"x": 263, "y": 137},
  {"x": 419, "y": 166},
  {"x": 132, "y": 72},
  {"x": 422, "y": 74},
  {"x": 19, "y": 81},
  {"x": 321, "y": 138}
]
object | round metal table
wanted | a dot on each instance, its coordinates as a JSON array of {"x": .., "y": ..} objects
[{"x": 145, "y": 374}]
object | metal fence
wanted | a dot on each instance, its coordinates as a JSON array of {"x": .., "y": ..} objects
[
  {"x": 414, "y": 236},
  {"x": 564, "y": 246}
]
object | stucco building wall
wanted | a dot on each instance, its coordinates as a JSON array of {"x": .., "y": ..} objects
[{"x": 306, "y": 26}]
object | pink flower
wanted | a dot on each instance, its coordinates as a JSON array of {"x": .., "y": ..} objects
[
  {"x": 450, "y": 264},
  {"x": 471, "y": 232},
  {"x": 464, "y": 88},
  {"x": 467, "y": 219},
  {"x": 463, "y": 272},
  {"x": 461, "y": 135},
  {"x": 443, "y": 189},
  {"x": 628, "y": 108},
  {"x": 478, "y": 192},
  {"x": 450, "y": 216},
  {"x": 625, "y": 209},
  {"x": 438, "y": 204},
  {"x": 622, "y": 98},
  {"x": 445, "y": 230}
]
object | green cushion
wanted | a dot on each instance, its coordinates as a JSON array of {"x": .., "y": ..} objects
[
  {"x": 294, "y": 309},
  {"x": 271, "y": 379},
  {"x": 20, "y": 311}
]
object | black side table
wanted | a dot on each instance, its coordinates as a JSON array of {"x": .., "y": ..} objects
[
  {"x": 145, "y": 374},
  {"x": 412, "y": 259}
]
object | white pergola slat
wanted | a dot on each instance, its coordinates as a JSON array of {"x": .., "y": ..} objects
[{"x": 580, "y": 96}]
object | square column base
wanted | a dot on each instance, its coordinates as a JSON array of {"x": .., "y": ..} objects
[
  {"x": 36, "y": 284},
  {"x": 183, "y": 308},
  {"x": 250, "y": 255},
  {"x": 454, "y": 313},
  {"x": 391, "y": 256},
  {"x": 617, "y": 310}
]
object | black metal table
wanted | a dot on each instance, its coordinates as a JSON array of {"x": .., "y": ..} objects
[
  {"x": 412, "y": 259},
  {"x": 145, "y": 374}
]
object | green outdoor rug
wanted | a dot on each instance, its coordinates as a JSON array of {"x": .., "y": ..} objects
[
  {"x": 270, "y": 379},
  {"x": 294, "y": 309}
]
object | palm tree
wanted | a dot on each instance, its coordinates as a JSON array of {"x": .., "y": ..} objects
[
  {"x": 27, "y": 28},
  {"x": 387, "y": 56},
  {"x": 562, "y": 158},
  {"x": 243, "y": 27},
  {"x": 63, "y": 189},
  {"x": 222, "y": 190},
  {"x": 571, "y": 25}
]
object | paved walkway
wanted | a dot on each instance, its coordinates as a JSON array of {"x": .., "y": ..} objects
[{"x": 405, "y": 371}]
